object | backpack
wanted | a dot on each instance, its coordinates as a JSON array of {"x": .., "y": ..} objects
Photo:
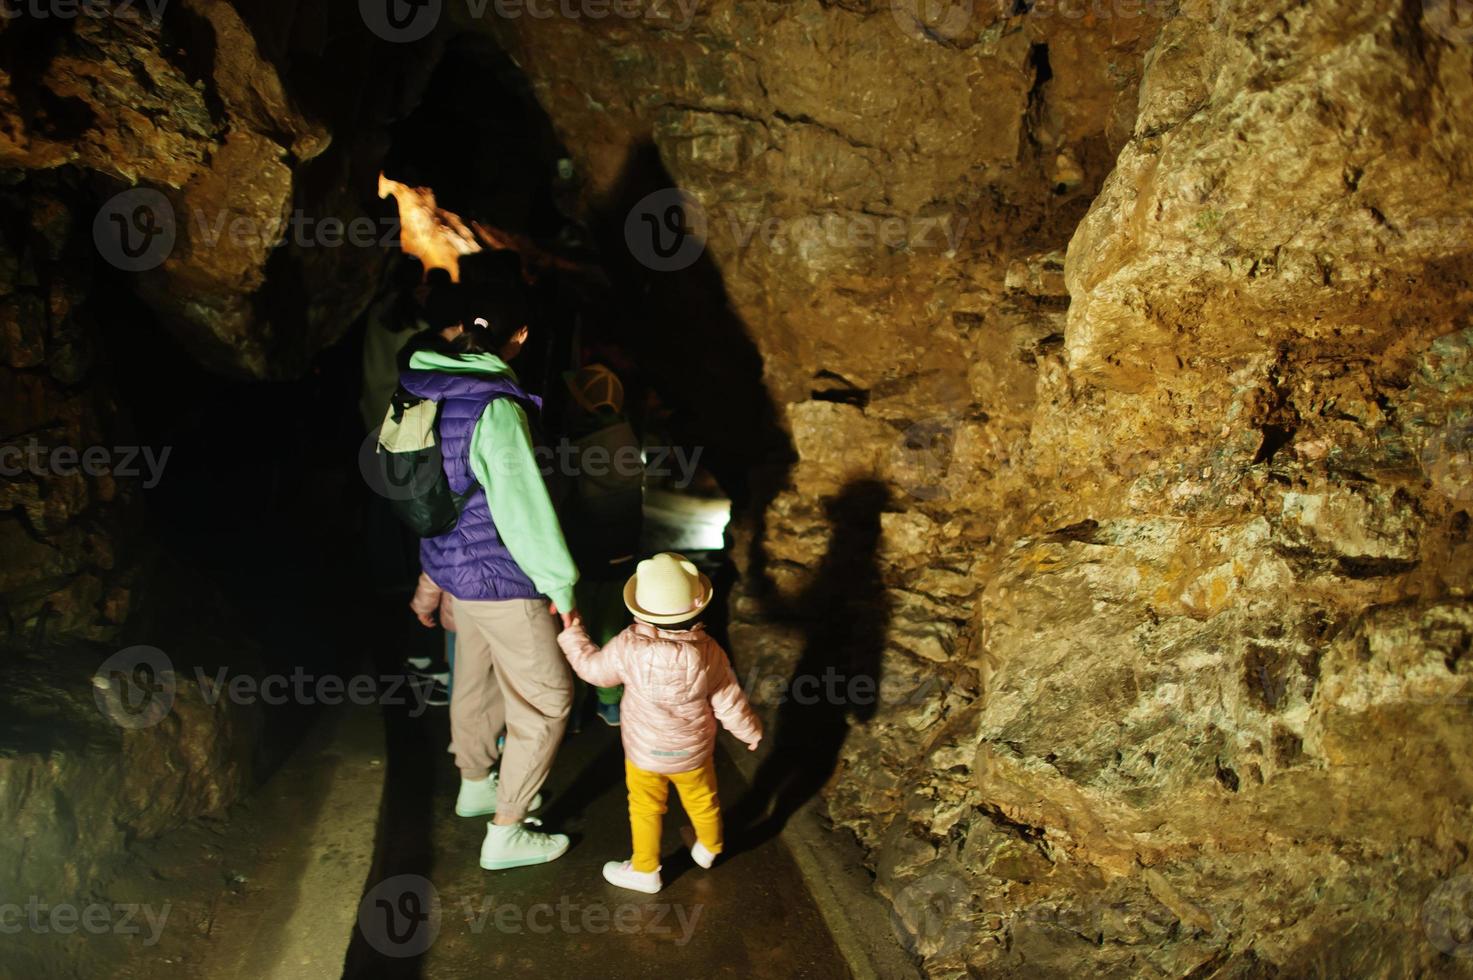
[{"x": 409, "y": 468}]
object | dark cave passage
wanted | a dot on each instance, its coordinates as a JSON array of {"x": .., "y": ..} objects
[
  {"x": 273, "y": 560},
  {"x": 1063, "y": 410}
]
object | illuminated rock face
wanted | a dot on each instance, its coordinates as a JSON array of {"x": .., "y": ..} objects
[
  {"x": 1177, "y": 494},
  {"x": 1105, "y": 377},
  {"x": 223, "y": 114}
]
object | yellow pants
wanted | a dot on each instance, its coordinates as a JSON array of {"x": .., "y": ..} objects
[{"x": 647, "y": 794}]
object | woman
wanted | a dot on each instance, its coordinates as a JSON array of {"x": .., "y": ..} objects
[{"x": 504, "y": 556}]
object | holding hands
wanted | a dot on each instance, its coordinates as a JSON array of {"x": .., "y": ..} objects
[{"x": 570, "y": 618}]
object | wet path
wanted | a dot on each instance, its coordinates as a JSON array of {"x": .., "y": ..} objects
[{"x": 748, "y": 917}]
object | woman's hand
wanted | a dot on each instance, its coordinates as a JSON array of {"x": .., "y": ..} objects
[{"x": 570, "y": 619}]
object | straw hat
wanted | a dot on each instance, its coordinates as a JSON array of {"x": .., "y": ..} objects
[
  {"x": 595, "y": 387},
  {"x": 667, "y": 589}
]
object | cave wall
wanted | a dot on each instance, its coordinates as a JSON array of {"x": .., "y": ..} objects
[
  {"x": 1156, "y": 393},
  {"x": 62, "y": 521},
  {"x": 1172, "y": 435},
  {"x": 244, "y": 174}
]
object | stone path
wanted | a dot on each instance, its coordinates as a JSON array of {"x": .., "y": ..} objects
[{"x": 750, "y": 916}]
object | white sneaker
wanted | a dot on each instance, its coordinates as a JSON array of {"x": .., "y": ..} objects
[
  {"x": 517, "y": 846},
  {"x": 621, "y": 874},
  {"x": 701, "y": 855},
  {"x": 478, "y": 797},
  {"x": 699, "y": 852}
]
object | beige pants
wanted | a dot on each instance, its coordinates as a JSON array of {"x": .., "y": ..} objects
[{"x": 508, "y": 671}]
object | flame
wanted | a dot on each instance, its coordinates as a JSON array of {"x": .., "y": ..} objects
[{"x": 436, "y": 237}]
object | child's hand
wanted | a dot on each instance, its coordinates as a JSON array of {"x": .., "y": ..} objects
[
  {"x": 752, "y": 746},
  {"x": 570, "y": 619},
  {"x": 426, "y": 619}
]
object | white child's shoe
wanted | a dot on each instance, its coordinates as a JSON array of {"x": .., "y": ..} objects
[
  {"x": 699, "y": 852},
  {"x": 620, "y": 873},
  {"x": 517, "y": 845},
  {"x": 478, "y": 797},
  {"x": 702, "y": 856}
]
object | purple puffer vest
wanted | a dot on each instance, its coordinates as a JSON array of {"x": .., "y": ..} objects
[{"x": 470, "y": 562}]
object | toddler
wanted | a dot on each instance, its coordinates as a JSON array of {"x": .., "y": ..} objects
[{"x": 677, "y": 685}]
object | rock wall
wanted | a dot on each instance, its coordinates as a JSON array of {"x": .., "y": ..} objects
[
  {"x": 186, "y": 163},
  {"x": 64, "y": 518},
  {"x": 1169, "y": 609},
  {"x": 1105, "y": 374}
]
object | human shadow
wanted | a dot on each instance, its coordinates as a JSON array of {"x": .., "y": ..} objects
[
  {"x": 696, "y": 351},
  {"x": 845, "y": 614}
]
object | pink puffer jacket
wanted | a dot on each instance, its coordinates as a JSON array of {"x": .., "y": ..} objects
[{"x": 677, "y": 685}]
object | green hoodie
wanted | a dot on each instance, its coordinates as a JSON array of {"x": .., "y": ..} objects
[{"x": 515, "y": 491}]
